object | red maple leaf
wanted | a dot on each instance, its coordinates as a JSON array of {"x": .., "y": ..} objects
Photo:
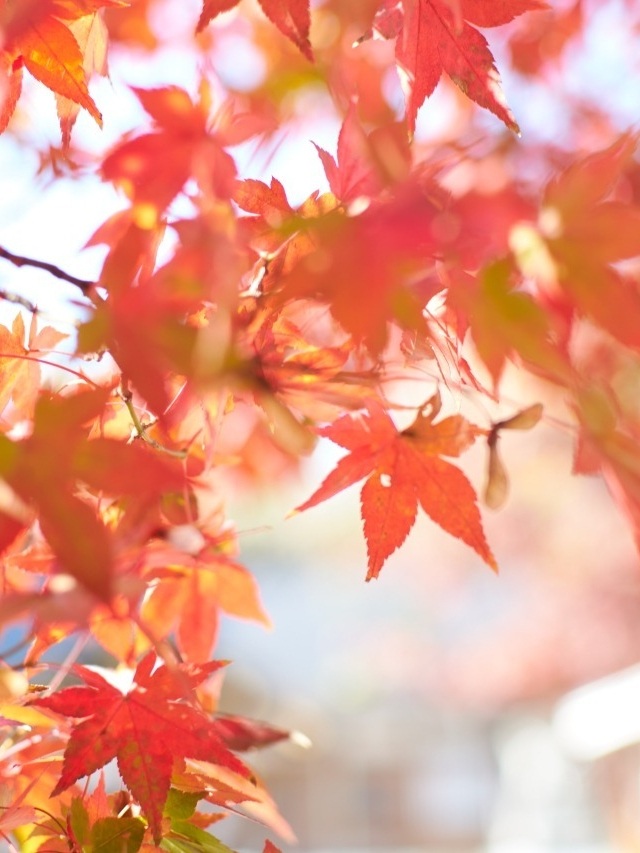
[
  {"x": 291, "y": 17},
  {"x": 353, "y": 174},
  {"x": 586, "y": 231},
  {"x": 435, "y": 36},
  {"x": 241, "y": 733},
  {"x": 368, "y": 259},
  {"x": 141, "y": 166},
  {"x": 404, "y": 469},
  {"x": 144, "y": 728}
]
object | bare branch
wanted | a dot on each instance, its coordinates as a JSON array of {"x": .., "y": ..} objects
[
  {"x": 19, "y": 300},
  {"x": 20, "y": 261}
]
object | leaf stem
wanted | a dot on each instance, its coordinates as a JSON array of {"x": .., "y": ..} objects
[
  {"x": 28, "y": 357},
  {"x": 68, "y": 662},
  {"x": 141, "y": 428}
]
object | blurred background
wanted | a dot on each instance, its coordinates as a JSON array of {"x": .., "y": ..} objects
[
  {"x": 448, "y": 709},
  {"x": 440, "y": 699}
]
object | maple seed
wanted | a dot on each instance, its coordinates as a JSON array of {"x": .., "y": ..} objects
[{"x": 497, "y": 483}]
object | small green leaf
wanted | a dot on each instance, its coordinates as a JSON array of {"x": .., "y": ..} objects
[
  {"x": 79, "y": 820},
  {"x": 117, "y": 835},
  {"x": 197, "y": 839},
  {"x": 181, "y": 805}
]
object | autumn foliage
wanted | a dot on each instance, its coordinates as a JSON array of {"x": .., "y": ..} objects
[{"x": 385, "y": 312}]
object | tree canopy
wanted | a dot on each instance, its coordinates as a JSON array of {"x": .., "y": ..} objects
[{"x": 449, "y": 250}]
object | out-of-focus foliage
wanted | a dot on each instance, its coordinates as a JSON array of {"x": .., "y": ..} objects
[{"x": 236, "y": 322}]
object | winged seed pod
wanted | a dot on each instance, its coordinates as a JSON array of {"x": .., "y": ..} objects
[{"x": 497, "y": 486}]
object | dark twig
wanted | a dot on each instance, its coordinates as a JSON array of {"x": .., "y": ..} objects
[{"x": 20, "y": 261}]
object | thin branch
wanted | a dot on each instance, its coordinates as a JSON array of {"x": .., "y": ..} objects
[
  {"x": 141, "y": 428},
  {"x": 19, "y": 300},
  {"x": 68, "y": 662},
  {"x": 20, "y": 261}
]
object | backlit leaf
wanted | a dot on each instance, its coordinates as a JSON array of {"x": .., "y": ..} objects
[
  {"x": 145, "y": 728},
  {"x": 434, "y": 39},
  {"x": 404, "y": 469}
]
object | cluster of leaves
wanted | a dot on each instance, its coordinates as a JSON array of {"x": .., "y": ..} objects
[{"x": 281, "y": 322}]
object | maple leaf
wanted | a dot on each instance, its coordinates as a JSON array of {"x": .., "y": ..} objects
[
  {"x": 10, "y": 88},
  {"x": 231, "y": 791},
  {"x": 368, "y": 259},
  {"x": 91, "y": 34},
  {"x": 146, "y": 350},
  {"x": 146, "y": 323},
  {"x": 505, "y": 321},
  {"x": 404, "y": 469},
  {"x": 583, "y": 232},
  {"x": 19, "y": 370},
  {"x": 277, "y": 229},
  {"x": 241, "y": 733},
  {"x": 145, "y": 729},
  {"x": 16, "y": 815},
  {"x": 366, "y": 162},
  {"x": 140, "y": 165},
  {"x": 151, "y": 179},
  {"x": 191, "y": 591},
  {"x": 48, "y": 49},
  {"x": 281, "y": 368},
  {"x": 291, "y": 17},
  {"x": 352, "y": 176},
  {"x": 45, "y": 468},
  {"x": 435, "y": 36},
  {"x": 91, "y": 823}
]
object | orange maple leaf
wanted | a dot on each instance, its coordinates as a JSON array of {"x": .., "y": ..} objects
[
  {"x": 53, "y": 43},
  {"x": 19, "y": 368},
  {"x": 404, "y": 469},
  {"x": 91, "y": 34},
  {"x": 192, "y": 591}
]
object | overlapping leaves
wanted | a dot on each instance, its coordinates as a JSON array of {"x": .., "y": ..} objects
[{"x": 146, "y": 728}]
